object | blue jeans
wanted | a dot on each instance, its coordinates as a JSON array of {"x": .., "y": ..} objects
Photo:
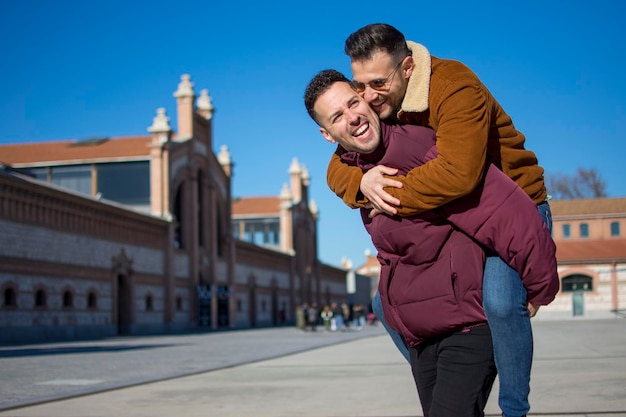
[
  {"x": 505, "y": 304},
  {"x": 377, "y": 309}
]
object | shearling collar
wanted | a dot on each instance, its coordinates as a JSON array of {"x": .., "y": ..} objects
[{"x": 416, "y": 96}]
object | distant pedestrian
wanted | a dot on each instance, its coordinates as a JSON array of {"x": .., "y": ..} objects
[
  {"x": 312, "y": 316},
  {"x": 347, "y": 315},
  {"x": 337, "y": 319},
  {"x": 327, "y": 316},
  {"x": 300, "y": 318},
  {"x": 358, "y": 316}
]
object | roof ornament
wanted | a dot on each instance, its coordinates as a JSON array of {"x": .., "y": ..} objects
[
  {"x": 306, "y": 178},
  {"x": 185, "y": 87},
  {"x": 205, "y": 104},
  {"x": 224, "y": 156},
  {"x": 294, "y": 168},
  {"x": 160, "y": 122}
]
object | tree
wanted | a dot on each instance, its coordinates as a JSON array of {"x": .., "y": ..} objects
[{"x": 586, "y": 183}]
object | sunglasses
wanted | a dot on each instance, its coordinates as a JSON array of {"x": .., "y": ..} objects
[{"x": 378, "y": 84}]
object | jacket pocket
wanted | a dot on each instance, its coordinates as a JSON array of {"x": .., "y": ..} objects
[{"x": 467, "y": 260}]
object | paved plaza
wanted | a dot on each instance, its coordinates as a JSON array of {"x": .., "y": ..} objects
[{"x": 579, "y": 370}]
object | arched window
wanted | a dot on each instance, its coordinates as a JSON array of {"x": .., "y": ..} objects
[
  {"x": 576, "y": 282},
  {"x": 10, "y": 297},
  {"x": 40, "y": 298},
  {"x": 584, "y": 230},
  {"x": 149, "y": 303},
  {"x": 615, "y": 229},
  {"x": 68, "y": 299},
  {"x": 92, "y": 300},
  {"x": 567, "y": 233},
  {"x": 179, "y": 238}
]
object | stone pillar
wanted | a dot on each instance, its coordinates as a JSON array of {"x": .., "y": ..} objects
[
  {"x": 159, "y": 165},
  {"x": 296, "y": 181},
  {"x": 205, "y": 105},
  {"x": 224, "y": 159},
  {"x": 614, "y": 287},
  {"x": 185, "y": 98},
  {"x": 286, "y": 221}
]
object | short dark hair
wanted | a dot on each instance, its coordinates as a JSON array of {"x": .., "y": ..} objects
[
  {"x": 363, "y": 43},
  {"x": 318, "y": 86}
]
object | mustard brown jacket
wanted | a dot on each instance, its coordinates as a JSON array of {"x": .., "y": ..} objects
[{"x": 471, "y": 127}]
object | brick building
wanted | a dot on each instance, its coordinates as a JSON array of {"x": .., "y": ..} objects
[
  {"x": 591, "y": 254},
  {"x": 133, "y": 235}
]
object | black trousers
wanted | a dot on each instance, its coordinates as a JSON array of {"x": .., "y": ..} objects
[{"x": 454, "y": 374}]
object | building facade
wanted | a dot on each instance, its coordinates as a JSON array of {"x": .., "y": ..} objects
[
  {"x": 133, "y": 235},
  {"x": 591, "y": 254},
  {"x": 287, "y": 223}
]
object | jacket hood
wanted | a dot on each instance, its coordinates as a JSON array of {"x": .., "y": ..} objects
[{"x": 416, "y": 97}]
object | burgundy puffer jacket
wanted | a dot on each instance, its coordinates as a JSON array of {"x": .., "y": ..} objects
[{"x": 432, "y": 264}]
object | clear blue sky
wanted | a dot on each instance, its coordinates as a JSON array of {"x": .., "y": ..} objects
[{"x": 76, "y": 69}]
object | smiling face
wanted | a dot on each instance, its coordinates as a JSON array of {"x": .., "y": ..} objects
[
  {"x": 385, "y": 98},
  {"x": 346, "y": 118}
]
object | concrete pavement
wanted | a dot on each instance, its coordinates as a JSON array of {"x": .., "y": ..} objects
[{"x": 579, "y": 370}]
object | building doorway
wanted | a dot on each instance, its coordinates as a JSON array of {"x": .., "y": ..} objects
[
  {"x": 223, "y": 306},
  {"x": 577, "y": 284},
  {"x": 204, "y": 303},
  {"x": 124, "y": 305}
]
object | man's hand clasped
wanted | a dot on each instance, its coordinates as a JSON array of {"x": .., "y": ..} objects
[{"x": 373, "y": 186}]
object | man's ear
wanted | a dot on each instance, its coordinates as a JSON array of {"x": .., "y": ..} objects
[
  {"x": 327, "y": 135},
  {"x": 408, "y": 66}
]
